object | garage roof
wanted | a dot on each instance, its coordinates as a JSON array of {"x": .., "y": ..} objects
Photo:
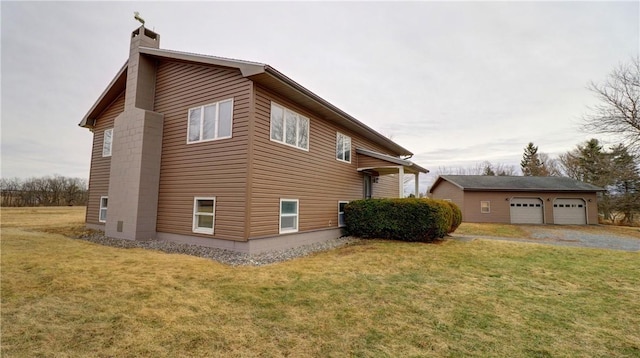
[{"x": 515, "y": 183}]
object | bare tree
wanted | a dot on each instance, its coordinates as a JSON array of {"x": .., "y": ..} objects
[
  {"x": 618, "y": 112},
  {"x": 480, "y": 168},
  {"x": 505, "y": 170},
  {"x": 551, "y": 165},
  {"x": 44, "y": 191}
]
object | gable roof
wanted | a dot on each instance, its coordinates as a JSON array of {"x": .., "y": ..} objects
[
  {"x": 260, "y": 73},
  {"x": 515, "y": 183}
]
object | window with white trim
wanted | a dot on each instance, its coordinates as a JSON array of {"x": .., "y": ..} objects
[
  {"x": 107, "y": 142},
  {"x": 341, "y": 205},
  {"x": 343, "y": 147},
  {"x": 289, "y": 127},
  {"x": 104, "y": 201},
  {"x": 210, "y": 122},
  {"x": 288, "y": 215},
  {"x": 204, "y": 210},
  {"x": 485, "y": 207}
]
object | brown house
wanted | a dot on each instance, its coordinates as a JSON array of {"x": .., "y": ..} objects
[
  {"x": 519, "y": 199},
  {"x": 227, "y": 153}
]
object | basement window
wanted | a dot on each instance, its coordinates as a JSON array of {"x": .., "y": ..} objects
[
  {"x": 341, "y": 205},
  {"x": 104, "y": 201},
  {"x": 204, "y": 215},
  {"x": 288, "y": 215},
  {"x": 289, "y": 127},
  {"x": 485, "y": 207},
  {"x": 210, "y": 122}
]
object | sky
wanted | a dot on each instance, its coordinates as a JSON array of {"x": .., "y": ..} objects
[{"x": 456, "y": 83}]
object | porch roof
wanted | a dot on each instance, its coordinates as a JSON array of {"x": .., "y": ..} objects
[{"x": 385, "y": 164}]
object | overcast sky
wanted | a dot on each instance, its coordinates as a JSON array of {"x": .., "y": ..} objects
[{"x": 456, "y": 83}]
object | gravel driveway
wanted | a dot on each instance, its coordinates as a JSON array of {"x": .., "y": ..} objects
[{"x": 570, "y": 237}]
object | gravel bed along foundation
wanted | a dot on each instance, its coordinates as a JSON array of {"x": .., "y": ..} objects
[{"x": 224, "y": 256}]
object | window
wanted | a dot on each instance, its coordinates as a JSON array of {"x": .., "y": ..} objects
[
  {"x": 343, "y": 148},
  {"x": 203, "y": 215},
  {"x": 210, "y": 122},
  {"x": 485, "y": 207},
  {"x": 104, "y": 201},
  {"x": 289, "y": 127},
  {"x": 341, "y": 205},
  {"x": 288, "y": 215},
  {"x": 107, "y": 142}
]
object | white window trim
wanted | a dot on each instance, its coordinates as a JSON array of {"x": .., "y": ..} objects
[
  {"x": 488, "y": 211},
  {"x": 341, "y": 212},
  {"x": 338, "y": 134},
  {"x": 106, "y": 152},
  {"x": 216, "y": 125},
  {"x": 284, "y": 131},
  {"x": 202, "y": 230},
  {"x": 297, "y": 216},
  {"x": 105, "y": 208}
]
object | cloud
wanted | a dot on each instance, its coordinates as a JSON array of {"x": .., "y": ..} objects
[{"x": 454, "y": 82}]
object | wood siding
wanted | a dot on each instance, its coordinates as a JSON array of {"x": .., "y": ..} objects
[
  {"x": 314, "y": 177},
  {"x": 215, "y": 168},
  {"x": 500, "y": 210},
  {"x": 386, "y": 187},
  {"x": 365, "y": 161},
  {"x": 100, "y": 166}
]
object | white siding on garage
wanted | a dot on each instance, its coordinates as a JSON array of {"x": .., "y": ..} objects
[
  {"x": 526, "y": 211},
  {"x": 569, "y": 212}
]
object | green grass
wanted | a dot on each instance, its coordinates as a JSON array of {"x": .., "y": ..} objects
[{"x": 64, "y": 297}]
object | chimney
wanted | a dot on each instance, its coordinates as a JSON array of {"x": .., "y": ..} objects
[
  {"x": 141, "y": 71},
  {"x": 134, "y": 176}
]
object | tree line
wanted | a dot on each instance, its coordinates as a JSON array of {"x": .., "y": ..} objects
[{"x": 44, "y": 191}]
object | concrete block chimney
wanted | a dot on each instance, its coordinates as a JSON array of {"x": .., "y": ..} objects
[{"x": 136, "y": 149}]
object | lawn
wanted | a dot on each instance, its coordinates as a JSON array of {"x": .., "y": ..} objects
[{"x": 66, "y": 297}]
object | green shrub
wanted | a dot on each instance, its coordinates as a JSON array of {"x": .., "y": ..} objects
[
  {"x": 456, "y": 216},
  {"x": 408, "y": 219}
]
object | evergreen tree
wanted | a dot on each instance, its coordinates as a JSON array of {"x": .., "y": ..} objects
[
  {"x": 617, "y": 170},
  {"x": 530, "y": 163},
  {"x": 488, "y": 169},
  {"x": 625, "y": 183}
]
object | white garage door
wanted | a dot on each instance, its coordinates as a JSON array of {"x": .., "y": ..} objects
[
  {"x": 569, "y": 211},
  {"x": 526, "y": 211}
]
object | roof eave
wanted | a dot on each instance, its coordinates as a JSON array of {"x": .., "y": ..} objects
[
  {"x": 340, "y": 114},
  {"x": 394, "y": 160},
  {"x": 115, "y": 87},
  {"x": 534, "y": 190},
  {"x": 252, "y": 71},
  {"x": 247, "y": 68}
]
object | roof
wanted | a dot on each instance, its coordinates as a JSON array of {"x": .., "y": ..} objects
[
  {"x": 260, "y": 73},
  {"x": 393, "y": 160},
  {"x": 515, "y": 183}
]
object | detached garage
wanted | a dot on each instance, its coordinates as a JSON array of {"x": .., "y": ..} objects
[{"x": 520, "y": 200}]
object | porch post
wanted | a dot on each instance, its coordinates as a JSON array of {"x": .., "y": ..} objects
[
  {"x": 416, "y": 184},
  {"x": 401, "y": 180}
]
